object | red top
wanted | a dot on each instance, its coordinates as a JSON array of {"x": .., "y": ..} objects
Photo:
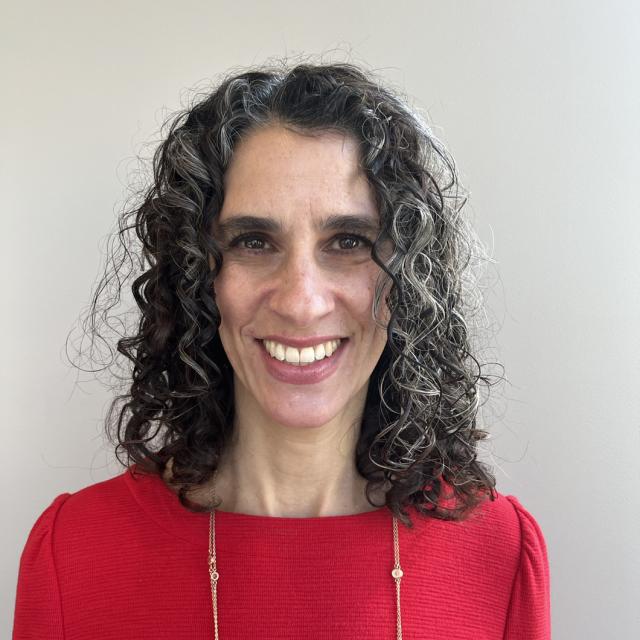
[{"x": 123, "y": 559}]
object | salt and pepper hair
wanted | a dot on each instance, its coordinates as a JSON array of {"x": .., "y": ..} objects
[{"x": 419, "y": 434}]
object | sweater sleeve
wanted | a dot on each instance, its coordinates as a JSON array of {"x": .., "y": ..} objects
[
  {"x": 529, "y": 615},
  {"x": 38, "y": 611}
]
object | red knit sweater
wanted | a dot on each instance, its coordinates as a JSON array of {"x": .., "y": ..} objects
[{"x": 122, "y": 559}]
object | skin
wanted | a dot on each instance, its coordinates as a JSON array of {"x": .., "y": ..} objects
[{"x": 293, "y": 453}]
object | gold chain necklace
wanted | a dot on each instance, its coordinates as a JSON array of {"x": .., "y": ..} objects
[{"x": 396, "y": 572}]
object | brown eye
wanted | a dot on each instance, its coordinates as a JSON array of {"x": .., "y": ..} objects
[
  {"x": 253, "y": 243},
  {"x": 248, "y": 242},
  {"x": 352, "y": 242},
  {"x": 349, "y": 243}
]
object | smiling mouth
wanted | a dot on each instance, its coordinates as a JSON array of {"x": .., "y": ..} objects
[{"x": 301, "y": 357}]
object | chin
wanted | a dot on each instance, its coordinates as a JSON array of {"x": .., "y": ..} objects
[{"x": 301, "y": 420}]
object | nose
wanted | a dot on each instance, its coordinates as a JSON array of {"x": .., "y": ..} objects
[{"x": 302, "y": 291}]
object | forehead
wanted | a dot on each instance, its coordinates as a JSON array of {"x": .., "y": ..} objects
[{"x": 280, "y": 173}]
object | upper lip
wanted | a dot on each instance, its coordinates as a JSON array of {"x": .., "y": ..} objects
[{"x": 301, "y": 343}]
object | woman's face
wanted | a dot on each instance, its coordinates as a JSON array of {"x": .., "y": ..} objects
[{"x": 296, "y": 225}]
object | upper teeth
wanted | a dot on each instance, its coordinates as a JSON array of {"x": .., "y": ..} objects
[{"x": 301, "y": 356}]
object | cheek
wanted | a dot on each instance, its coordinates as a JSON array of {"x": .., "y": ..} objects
[
  {"x": 356, "y": 297},
  {"x": 231, "y": 304}
]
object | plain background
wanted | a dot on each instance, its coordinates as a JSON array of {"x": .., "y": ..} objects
[{"x": 540, "y": 105}]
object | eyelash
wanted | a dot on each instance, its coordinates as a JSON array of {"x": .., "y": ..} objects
[{"x": 234, "y": 242}]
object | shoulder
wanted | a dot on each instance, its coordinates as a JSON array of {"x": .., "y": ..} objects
[
  {"x": 521, "y": 520},
  {"x": 508, "y": 516},
  {"x": 512, "y": 539},
  {"x": 507, "y": 513},
  {"x": 529, "y": 613},
  {"x": 122, "y": 512},
  {"x": 496, "y": 540},
  {"x": 99, "y": 519},
  {"x": 63, "y": 542},
  {"x": 94, "y": 511},
  {"x": 506, "y": 524},
  {"x": 497, "y": 555},
  {"x": 503, "y": 516},
  {"x": 99, "y": 501}
]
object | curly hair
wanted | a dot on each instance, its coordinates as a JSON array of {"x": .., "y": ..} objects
[{"x": 419, "y": 432}]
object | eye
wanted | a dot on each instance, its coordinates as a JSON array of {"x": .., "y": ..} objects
[
  {"x": 256, "y": 243},
  {"x": 352, "y": 242},
  {"x": 248, "y": 242}
]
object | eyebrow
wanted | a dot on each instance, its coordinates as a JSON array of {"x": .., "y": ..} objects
[{"x": 351, "y": 222}]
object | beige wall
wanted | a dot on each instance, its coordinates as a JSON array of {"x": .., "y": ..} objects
[{"x": 540, "y": 104}]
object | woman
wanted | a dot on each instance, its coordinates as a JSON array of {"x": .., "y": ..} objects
[{"x": 301, "y": 426}]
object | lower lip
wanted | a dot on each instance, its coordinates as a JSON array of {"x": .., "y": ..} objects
[{"x": 305, "y": 374}]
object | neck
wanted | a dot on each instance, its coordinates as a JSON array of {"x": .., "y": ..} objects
[
  {"x": 311, "y": 473},
  {"x": 272, "y": 470}
]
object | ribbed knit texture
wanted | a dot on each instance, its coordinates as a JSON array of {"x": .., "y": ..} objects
[{"x": 123, "y": 559}]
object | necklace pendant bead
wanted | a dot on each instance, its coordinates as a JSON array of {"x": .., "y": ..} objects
[{"x": 397, "y": 573}]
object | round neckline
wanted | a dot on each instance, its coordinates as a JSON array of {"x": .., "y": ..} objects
[
  {"x": 163, "y": 507},
  {"x": 282, "y": 519}
]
